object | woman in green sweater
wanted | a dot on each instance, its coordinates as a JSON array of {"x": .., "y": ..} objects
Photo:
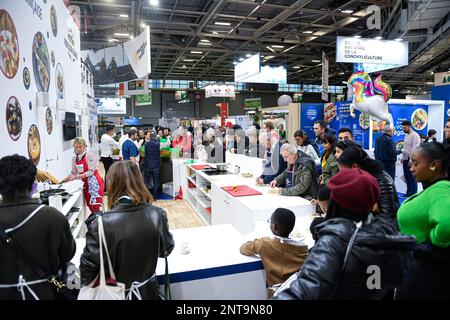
[{"x": 426, "y": 216}]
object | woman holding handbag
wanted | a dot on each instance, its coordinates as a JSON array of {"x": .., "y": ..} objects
[{"x": 136, "y": 234}]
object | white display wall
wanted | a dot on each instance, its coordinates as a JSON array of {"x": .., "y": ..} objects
[{"x": 39, "y": 52}]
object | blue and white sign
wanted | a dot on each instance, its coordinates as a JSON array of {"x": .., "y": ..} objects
[
  {"x": 111, "y": 105},
  {"x": 310, "y": 112}
]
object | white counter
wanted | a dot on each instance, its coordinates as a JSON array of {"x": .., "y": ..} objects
[
  {"x": 241, "y": 212},
  {"x": 214, "y": 269}
]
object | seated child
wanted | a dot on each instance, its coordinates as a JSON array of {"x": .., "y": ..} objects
[{"x": 280, "y": 255}]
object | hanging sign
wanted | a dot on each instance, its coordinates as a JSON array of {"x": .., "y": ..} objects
[
  {"x": 353, "y": 50},
  {"x": 225, "y": 91},
  {"x": 251, "y": 104},
  {"x": 324, "y": 77}
]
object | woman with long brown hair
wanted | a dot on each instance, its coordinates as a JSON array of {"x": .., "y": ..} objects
[
  {"x": 328, "y": 159},
  {"x": 137, "y": 233}
]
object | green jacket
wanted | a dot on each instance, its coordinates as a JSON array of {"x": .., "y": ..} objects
[
  {"x": 426, "y": 215},
  {"x": 331, "y": 168},
  {"x": 304, "y": 180}
]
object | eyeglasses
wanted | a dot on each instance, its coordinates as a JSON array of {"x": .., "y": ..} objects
[{"x": 269, "y": 220}]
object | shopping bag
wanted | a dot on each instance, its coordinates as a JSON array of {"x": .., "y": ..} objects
[{"x": 104, "y": 291}]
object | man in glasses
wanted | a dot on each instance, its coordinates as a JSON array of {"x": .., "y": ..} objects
[
  {"x": 300, "y": 177},
  {"x": 280, "y": 255},
  {"x": 345, "y": 134},
  {"x": 386, "y": 152}
]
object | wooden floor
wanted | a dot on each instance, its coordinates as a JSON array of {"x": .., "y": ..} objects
[{"x": 179, "y": 212}]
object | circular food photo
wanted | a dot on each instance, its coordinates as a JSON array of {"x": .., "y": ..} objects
[
  {"x": 14, "y": 118},
  {"x": 34, "y": 144},
  {"x": 41, "y": 63},
  {"x": 419, "y": 119},
  {"x": 364, "y": 121},
  {"x": 53, "y": 20},
  {"x": 26, "y": 78},
  {"x": 399, "y": 145},
  {"x": 59, "y": 81},
  {"x": 329, "y": 112},
  {"x": 49, "y": 121},
  {"x": 9, "y": 46},
  {"x": 52, "y": 58}
]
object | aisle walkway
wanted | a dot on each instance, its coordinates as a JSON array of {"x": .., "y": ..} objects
[{"x": 179, "y": 212}]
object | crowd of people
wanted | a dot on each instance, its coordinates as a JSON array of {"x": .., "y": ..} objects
[{"x": 361, "y": 231}]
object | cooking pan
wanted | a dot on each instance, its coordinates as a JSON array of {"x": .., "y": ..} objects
[
  {"x": 222, "y": 166},
  {"x": 44, "y": 195}
]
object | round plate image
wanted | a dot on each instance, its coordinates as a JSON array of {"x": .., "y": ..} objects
[
  {"x": 14, "y": 118},
  {"x": 9, "y": 46},
  {"x": 48, "y": 121},
  {"x": 34, "y": 144},
  {"x": 364, "y": 121},
  {"x": 26, "y": 78},
  {"x": 419, "y": 119},
  {"x": 59, "y": 82},
  {"x": 52, "y": 58},
  {"x": 54, "y": 20},
  {"x": 399, "y": 145},
  {"x": 41, "y": 63}
]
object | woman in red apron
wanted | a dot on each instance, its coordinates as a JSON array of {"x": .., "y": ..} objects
[{"x": 85, "y": 168}]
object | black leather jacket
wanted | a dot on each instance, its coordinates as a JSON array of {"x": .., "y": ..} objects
[
  {"x": 377, "y": 243},
  {"x": 136, "y": 236},
  {"x": 388, "y": 203}
]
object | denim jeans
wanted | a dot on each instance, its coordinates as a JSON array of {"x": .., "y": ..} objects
[
  {"x": 411, "y": 184},
  {"x": 155, "y": 173}
]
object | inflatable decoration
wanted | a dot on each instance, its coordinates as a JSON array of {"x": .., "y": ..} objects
[{"x": 369, "y": 97}]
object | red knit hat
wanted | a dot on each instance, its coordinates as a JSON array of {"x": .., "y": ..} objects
[{"x": 355, "y": 190}]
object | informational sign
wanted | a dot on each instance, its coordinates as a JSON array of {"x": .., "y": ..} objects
[
  {"x": 144, "y": 99},
  {"x": 111, "y": 105},
  {"x": 222, "y": 90},
  {"x": 93, "y": 124},
  {"x": 133, "y": 87},
  {"x": 310, "y": 112},
  {"x": 269, "y": 75},
  {"x": 138, "y": 53},
  {"x": 324, "y": 77},
  {"x": 180, "y": 95},
  {"x": 248, "y": 67},
  {"x": 417, "y": 114},
  {"x": 442, "y": 79},
  {"x": 442, "y": 93},
  {"x": 352, "y": 50},
  {"x": 373, "y": 67},
  {"x": 359, "y": 125},
  {"x": 251, "y": 104},
  {"x": 133, "y": 121}
]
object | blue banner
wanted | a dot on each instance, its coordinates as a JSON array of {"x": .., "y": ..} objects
[
  {"x": 442, "y": 93},
  {"x": 359, "y": 125},
  {"x": 417, "y": 114},
  {"x": 310, "y": 112}
]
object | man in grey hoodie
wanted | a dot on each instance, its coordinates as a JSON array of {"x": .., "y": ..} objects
[{"x": 300, "y": 176}]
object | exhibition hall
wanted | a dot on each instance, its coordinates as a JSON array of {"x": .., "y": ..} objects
[{"x": 244, "y": 150}]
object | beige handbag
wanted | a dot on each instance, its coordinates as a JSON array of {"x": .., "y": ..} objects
[{"x": 103, "y": 291}]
